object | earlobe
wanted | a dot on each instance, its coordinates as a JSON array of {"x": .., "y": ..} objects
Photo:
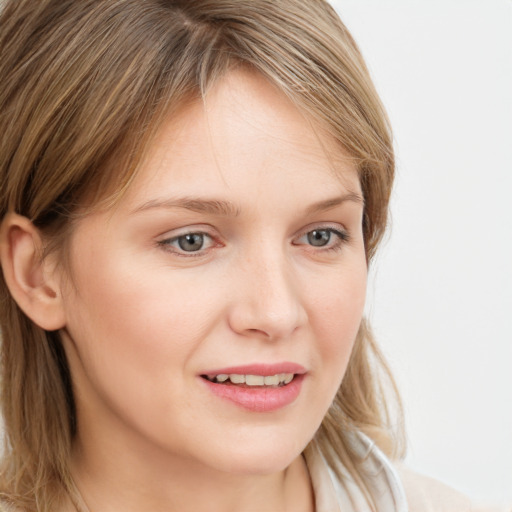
[{"x": 32, "y": 280}]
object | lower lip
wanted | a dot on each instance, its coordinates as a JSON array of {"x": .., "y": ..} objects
[{"x": 258, "y": 399}]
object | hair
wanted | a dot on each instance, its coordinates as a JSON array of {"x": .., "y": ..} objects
[{"x": 86, "y": 84}]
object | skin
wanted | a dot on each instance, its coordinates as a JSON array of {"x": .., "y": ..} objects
[{"x": 143, "y": 318}]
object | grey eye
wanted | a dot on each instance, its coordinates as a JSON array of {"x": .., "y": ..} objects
[
  {"x": 319, "y": 237},
  {"x": 188, "y": 244},
  {"x": 191, "y": 242}
]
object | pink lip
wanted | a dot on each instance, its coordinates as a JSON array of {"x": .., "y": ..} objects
[
  {"x": 259, "y": 369},
  {"x": 258, "y": 399}
]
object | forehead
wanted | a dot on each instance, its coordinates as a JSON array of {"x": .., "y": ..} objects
[{"x": 246, "y": 136}]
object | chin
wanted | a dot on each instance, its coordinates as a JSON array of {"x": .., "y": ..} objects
[{"x": 265, "y": 457}]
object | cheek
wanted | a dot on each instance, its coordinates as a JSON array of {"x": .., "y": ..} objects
[
  {"x": 338, "y": 305},
  {"x": 343, "y": 314},
  {"x": 135, "y": 325},
  {"x": 136, "y": 340},
  {"x": 141, "y": 319},
  {"x": 335, "y": 316}
]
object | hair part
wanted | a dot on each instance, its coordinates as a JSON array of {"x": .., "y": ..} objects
[{"x": 85, "y": 87}]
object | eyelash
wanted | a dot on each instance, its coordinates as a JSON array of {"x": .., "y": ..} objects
[
  {"x": 342, "y": 237},
  {"x": 167, "y": 245}
]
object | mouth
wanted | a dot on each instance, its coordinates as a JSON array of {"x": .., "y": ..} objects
[
  {"x": 251, "y": 381},
  {"x": 257, "y": 388}
]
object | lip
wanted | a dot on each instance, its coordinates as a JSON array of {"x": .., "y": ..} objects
[
  {"x": 258, "y": 399},
  {"x": 259, "y": 369}
]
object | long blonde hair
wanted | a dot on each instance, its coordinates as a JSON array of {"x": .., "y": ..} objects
[{"x": 88, "y": 83}]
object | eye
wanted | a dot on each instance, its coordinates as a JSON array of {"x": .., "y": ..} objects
[
  {"x": 328, "y": 238},
  {"x": 188, "y": 243},
  {"x": 319, "y": 237}
]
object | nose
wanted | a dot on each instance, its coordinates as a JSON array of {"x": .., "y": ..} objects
[{"x": 267, "y": 302}]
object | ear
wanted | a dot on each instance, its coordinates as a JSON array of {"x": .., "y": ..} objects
[{"x": 33, "y": 282}]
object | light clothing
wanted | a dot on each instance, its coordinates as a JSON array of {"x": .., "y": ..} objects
[
  {"x": 335, "y": 495},
  {"x": 396, "y": 488}
]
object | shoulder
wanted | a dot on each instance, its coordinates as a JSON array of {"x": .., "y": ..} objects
[{"x": 425, "y": 494}]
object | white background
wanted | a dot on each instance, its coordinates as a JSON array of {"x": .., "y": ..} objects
[{"x": 441, "y": 293}]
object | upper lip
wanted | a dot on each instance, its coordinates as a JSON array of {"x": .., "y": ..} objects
[{"x": 263, "y": 369}]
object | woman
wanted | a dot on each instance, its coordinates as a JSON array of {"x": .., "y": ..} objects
[{"x": 191, "y": 193}]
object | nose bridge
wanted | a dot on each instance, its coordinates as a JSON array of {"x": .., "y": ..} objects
[{"x": 269, "y": 303}]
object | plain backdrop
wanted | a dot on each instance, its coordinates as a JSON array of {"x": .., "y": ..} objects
[{"x": 440, "y": 296}]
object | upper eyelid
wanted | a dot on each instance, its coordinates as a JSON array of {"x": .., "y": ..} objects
[
  {"x": 173, "y": 234},
  {"x": 336, "y": 228},
  {"x": 206, "y": 230},
  {"x": 185, "y": 233}
]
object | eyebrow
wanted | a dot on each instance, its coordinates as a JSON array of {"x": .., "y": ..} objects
[
  {"x": 229, "y": 209},
  {"x": 329, "y": 204},
  {"x": 210, "y": 206}
]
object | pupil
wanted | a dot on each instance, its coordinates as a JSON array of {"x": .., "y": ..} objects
[
  {"x": 192, "y": 242},
  {"x": 319, "y": 237}
]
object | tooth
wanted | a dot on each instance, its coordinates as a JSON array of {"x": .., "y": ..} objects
[
  {"x": 288, "y": 377},
  {"x": 222, "y": 377},
  {"x": 254, "y": 380},
  {"x": 272, "y": 380},
  {"x": 237, "y": 379}
]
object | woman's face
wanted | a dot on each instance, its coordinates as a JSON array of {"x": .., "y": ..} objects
[{"x": 238, "y": 250}]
